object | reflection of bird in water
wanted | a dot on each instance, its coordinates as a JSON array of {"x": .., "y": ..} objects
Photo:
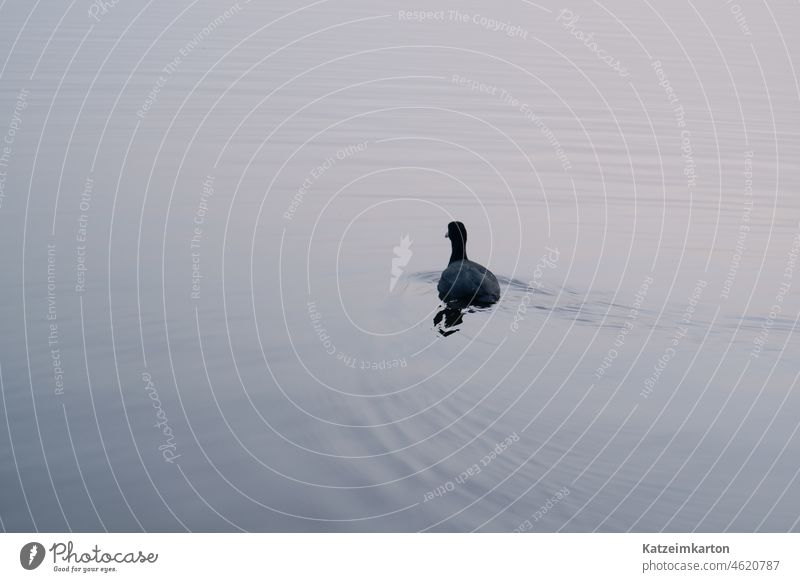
[{"x": 452, "y": 316}]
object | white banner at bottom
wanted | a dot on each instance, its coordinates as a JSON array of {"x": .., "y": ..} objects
[{"x": 400, "y": 557}]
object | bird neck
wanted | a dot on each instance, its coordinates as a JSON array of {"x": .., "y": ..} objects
[{"x": 459, "y": 251}]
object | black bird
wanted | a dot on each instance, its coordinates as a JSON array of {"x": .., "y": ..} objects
[{"x": 465, "y": 281}]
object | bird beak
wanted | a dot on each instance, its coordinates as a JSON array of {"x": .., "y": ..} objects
[{"x": 446, "y": 235}]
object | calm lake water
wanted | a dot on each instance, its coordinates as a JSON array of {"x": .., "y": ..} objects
[{"x": 223, "y": 225}]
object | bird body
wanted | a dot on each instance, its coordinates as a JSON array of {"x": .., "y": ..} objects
[{"x": 469, "y": 281}]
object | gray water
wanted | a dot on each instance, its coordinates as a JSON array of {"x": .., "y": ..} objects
[{"x": 222, "y": 227}]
